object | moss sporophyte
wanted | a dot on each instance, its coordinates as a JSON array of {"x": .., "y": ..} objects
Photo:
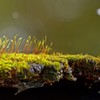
[{"x": 34, "y": 65}]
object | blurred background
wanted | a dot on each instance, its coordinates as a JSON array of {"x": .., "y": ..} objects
[{"x": 72, "y": 25}]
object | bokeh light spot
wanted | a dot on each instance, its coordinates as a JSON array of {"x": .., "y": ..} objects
[
  {"x": 98, "y": 11},
  {"x": 15, "y": 15}
]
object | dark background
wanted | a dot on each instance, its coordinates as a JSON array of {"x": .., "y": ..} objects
[{"x": 63, "y": 90}]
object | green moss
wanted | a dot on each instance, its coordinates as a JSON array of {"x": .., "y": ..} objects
[
  {"x": 21, "y": 60},
  {"x": 11, "y": 59}
]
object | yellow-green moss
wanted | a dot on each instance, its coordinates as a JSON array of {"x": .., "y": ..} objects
[
  {"x": 12, "y": 58},
  {"x": 21, "y": 60}
]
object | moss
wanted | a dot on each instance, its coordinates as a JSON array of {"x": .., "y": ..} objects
[
  {"x": 21, "y": 61},
  {"x": 42, "y": 66},
  {"x": 10, "y": 60}
]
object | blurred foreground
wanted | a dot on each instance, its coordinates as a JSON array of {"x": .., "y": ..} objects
[{"x": 63, "y": 90}]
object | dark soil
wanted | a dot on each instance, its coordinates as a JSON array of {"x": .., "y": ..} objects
[{"x": 63, "y": 90}]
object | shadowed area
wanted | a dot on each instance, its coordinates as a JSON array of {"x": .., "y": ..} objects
[{"x": 61, "y": 91}]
